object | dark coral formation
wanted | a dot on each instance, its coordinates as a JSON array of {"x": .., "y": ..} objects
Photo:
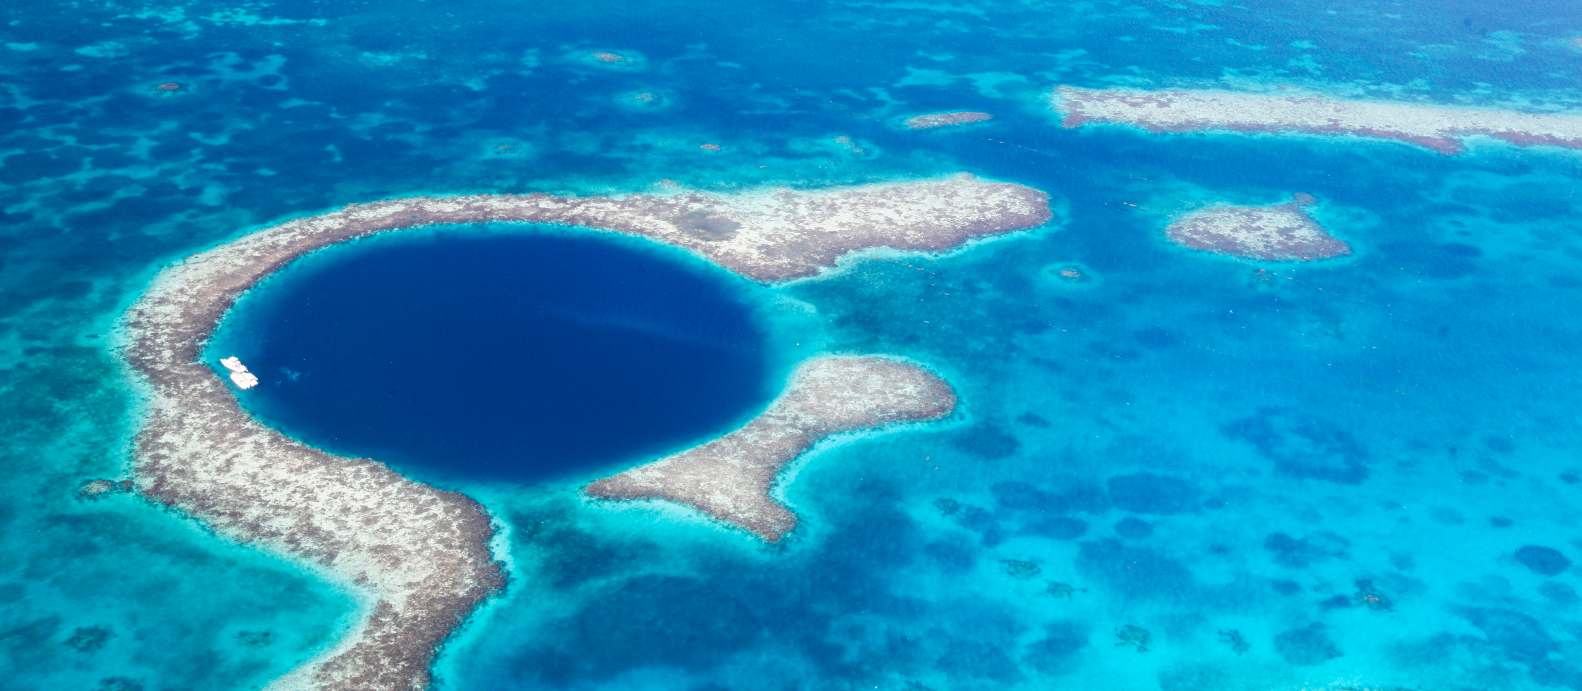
[
  {"x": 89, "y": 638},
  {"x": 1307, "y": 645},
  {"x": 1134, "y": 573},
  {"x": 1545, "y": 561},
  {"x": 119, "y": 684},
  {"x": 1135, "y": 637},
  {"x": 1369, "y": 596},
  {"x": 1021, "y": 569},
  {"x": 1058, "y": 527},
  {"x": 1151, "y": 493},
  {"x": 1058, "y": 589},
  {"x": 1133, "y": 529},
  {"x": 101, "y": 488},
  {"x": 1056, "y": 651},
  {"x": 1234, "y": 639},
  {"x": 1303, "y": 446},
  {"x": 1299, "y": 554},
  {"x": 256, "y": 639}
]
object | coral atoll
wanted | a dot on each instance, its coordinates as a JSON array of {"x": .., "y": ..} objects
[{"x": 418, "y": 555}]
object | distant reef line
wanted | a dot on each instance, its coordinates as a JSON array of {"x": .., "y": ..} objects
[
  {"x": 419, "y": 555},
  {"x": 1437, "y": 127}
]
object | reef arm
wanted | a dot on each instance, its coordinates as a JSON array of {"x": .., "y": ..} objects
[
  {"x": 418, "y": 555},
  {"x": 731, "y": 478}
]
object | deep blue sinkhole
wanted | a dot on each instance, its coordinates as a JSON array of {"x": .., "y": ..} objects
[{"x": 517, "y": 355}]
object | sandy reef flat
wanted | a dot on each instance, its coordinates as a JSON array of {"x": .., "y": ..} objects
[
  {"x": 730, "y": 478},
  {"x": 418, "y": 554},
  {"x": 1440, "y": 128},
  {"x": 1281, "y": 232}
]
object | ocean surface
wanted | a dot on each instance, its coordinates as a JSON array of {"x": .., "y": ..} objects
[
  {"x": 491, "y": 353},
  {"x": 1185, "y": 473}
]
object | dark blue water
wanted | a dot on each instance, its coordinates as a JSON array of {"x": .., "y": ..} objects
[{"x": 518, "y": 356}]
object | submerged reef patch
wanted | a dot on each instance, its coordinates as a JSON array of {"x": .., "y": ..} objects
[
  {"x": 1545, "y": 561},
  {"x": 1134, "y": 573},
  {"x": 1440, "y": 128},
  {"x": 100, "y": 488},
  {"x": 419, "y": 555},
  {"x": 1150, "y": 493},
  {"x": 1300, "y": 554},
  {"x": 1307, "y": 645},
  {"x": 730, "y": 478},
  {"x": 1303, "y": 446},
  {"x": 1282, "y": 232}
]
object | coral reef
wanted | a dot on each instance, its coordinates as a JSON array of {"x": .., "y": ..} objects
[
  {"x": 1021, "y": 569},
  {"x": 1133, "y": 528},
  {"x": 1306, "y": 645},
  {"x": 1440, "y": 128},
  {"x": 256, "y": 639},
  {"x": 1545, "y": 561},
  {"x": 730, "y": 478},
  {"x": 1370, "y": 597},
  {"x": 101, "y": 488},
  {"x": 1282, "y": 232},
  {"x": 1058, "y": 589},
  {"x": 419, "y": 555},
  {"x": 1133, "y": 636},
  {"x": 923, "y": 122},
  {"x": 1234, "y": 639},
  {"x": 89, "y": 638}
]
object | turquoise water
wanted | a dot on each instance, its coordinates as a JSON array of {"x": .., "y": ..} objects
[{"x": 1247, "y": 467}]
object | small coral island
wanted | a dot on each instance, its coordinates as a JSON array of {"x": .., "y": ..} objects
[
  {"x": 1440, "y": 128},
  {"x": 932, "y": 120},
  {"x": 1283, "y": 232},
  {"x": 730, "y": 478},
  {"x": 420, "y": 556}
]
